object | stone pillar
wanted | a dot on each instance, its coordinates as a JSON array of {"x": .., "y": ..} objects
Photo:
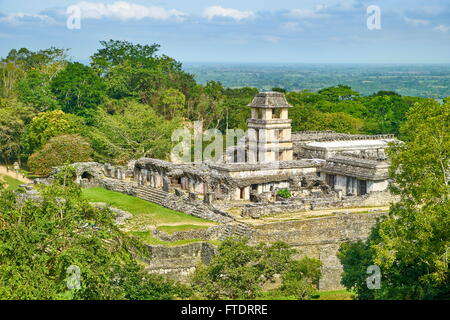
[
  {"x": 252, "y": 145},
  {"x": 144, "y": 173},
  {"x": 159, "y": 182},
  {"x": 208, "y": 198},
  {"x": 199, "y": 188},
  {"x": 259, "y": 189},
  {"x": 247, "y": 193},
  {"x": 152, "y": 179},
  {"x": 237, "y": 194},
  {"x": 191, "y": 185},
  {"x": 166, "y": 184}
]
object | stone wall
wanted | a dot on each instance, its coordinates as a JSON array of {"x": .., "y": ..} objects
[
  {"x": 179, "y": 262},
  {"x": 320, "y": 238},
  {"x": 219, "y": 232},
  {"x": 373, "y": 199}
]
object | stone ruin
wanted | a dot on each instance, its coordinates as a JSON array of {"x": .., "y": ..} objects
[{"x": 319, "y": 168}]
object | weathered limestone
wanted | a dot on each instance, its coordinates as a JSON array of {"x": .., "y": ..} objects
[
  {"x": 322, "y": 170},
  {"x": 179, "y": 262},
  {"x": 320, "y": 238},
  {"x": 270, "y": 128}
]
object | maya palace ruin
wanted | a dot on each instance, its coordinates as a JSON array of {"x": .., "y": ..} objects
[
  {"x": 320, "y": 169},
  {"x": 323, "y": 171}
]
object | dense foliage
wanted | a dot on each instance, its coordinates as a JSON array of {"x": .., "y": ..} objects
[
  {"x": 59, "y": 151},
  {"x": 240, "y": 270},
  {"x": 41, "y": 238},
  {"x": 411, "y": 245}
]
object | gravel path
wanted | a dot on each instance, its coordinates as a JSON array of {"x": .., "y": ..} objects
[{"x": 12, "y": 174}]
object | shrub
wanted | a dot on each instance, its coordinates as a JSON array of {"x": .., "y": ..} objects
[
  {"x": 284, "y": 193},
  {"x": 60, "y": 150},
  {"x": 239, "y": 270},
  {"x": 301, "y": 278}
]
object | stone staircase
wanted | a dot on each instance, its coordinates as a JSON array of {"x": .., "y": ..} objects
[
  {"x": 236, "y": 230},
  {"x": 153, "y": 195},
  {"x": 171, "y": 201},
  {"x": 168, "y": 200}
]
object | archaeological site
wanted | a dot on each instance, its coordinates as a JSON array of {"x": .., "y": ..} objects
[{"x": 313, "y": 190}]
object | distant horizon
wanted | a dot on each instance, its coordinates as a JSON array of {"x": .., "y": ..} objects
[
  {"x": 318, "y": 63},
  {"x": 421, "y": 79},
  {"x": 86, "y": 61}
]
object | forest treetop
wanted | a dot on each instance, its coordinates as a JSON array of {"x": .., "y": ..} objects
[{"x": 130, "y": 98}]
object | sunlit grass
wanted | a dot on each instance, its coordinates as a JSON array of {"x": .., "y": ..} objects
[
  {"x": 13, "y": 184},
  {"x": 184, "y": 227},
  {"x": 143, "y": 211}
]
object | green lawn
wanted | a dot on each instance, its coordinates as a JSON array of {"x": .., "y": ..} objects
[
  {"x": 184, "y": 227},
  {"x": 148, "y": 238},
  {"x": 321, "y": 295},
  {"x": 13, "y": 184},
  {"x": 147, "y": 214},
  {"x": 335, "y": 295}
]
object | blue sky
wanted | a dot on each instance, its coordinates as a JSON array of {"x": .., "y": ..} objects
[{"x": 282, "y": 31}]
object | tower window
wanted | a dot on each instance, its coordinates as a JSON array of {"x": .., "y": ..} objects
[
  {"x": 276, "y": 113},
  {"x": 260, "y": 114},
  {"x": 280, "y": 156}
]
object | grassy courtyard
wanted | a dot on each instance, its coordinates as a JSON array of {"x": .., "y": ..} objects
[
  {"x": 148, "y": 216},
  {"x": 12, "y": 184},
  {"x": 320, "y": 295},
  {"x": 143, "y": 210}
]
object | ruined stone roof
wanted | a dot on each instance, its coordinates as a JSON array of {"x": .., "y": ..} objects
[
  {"x": 356, "y": 167},
  {"x": 324, "y": 136},
  {"x": 344, "y": 144},
  {"x": 236, "y": 167},
  {"x": 269, "y": 100},
  {"x": 198, "y": 171},
  {"x": 245, "y": 182}
]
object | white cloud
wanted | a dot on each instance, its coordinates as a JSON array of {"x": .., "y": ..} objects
[
  {"x": 442, "y": 28},
  {"x": 416, "y": 22},
  {"x": 272, "y": 39},
  {"x": 122, "y": 10},
  {"x": 20, "y": 17},
  {"x": 308, "y": 13},
  {"x": 292, "y": 26},
  {"x": 217, "y": 11}
]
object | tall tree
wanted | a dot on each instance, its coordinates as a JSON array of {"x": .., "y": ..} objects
[
  {"x": 78, "y": 89},
  {"x": 137, "y": 132},
  {"x": 34, "y": 90},
  {"x": 13, "y": 121},
  {"x": 47, "y": 125},
  {"x": 411, "y": 246}
]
